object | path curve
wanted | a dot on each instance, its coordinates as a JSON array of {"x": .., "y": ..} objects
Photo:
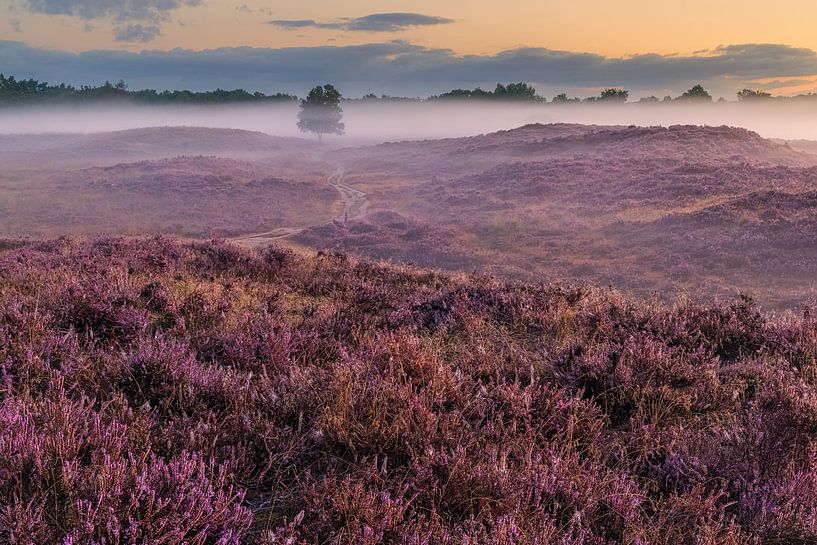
[
  {"x": 355, "y": 202},
  {"x": 355, "y": 207}
]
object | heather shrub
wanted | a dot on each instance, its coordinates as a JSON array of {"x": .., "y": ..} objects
[
  {"x": 73, "y": 473},
  {"x": 218, "y": 257},
  {"x": 351, "y": 510},
  {"x": 278, "y": 258},
  {"x": 694, "y": 517},
  {"x": 166, "y": 376},
  {"x": 643, "y": 381},
  {"x": 95, "y": 315},
  {"x": 259, "y": 343}
]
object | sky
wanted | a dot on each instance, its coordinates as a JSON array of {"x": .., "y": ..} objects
[{"x": 416, "y": 47}]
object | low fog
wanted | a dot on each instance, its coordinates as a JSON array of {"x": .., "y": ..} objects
[
  {"x": 369, "y": 122},
  {"x": 686, "y": 209}
]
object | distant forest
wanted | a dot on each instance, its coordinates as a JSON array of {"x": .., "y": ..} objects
[
  {"x": 22, "y": 91},
  {"x": 17, "y": 91}
]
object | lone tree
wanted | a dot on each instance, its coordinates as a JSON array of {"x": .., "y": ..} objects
[{"x": 321, "y": 112}]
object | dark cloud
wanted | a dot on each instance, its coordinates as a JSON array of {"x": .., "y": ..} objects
[
  {"x": 376, "y": 22},
  {"x": 777, "y": 84},
  {"x": 393, "y": 22},
  {"x": 292, "y": 24},
  {"x": 121, "y": 10},
  {"x": 137, "y": 33},
  {"x": 402, "y": 68}
]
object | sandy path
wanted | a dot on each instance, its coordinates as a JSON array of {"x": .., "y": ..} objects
[
  {"x": 355, "y": 202},
  {"x": 355, "y": 207}
]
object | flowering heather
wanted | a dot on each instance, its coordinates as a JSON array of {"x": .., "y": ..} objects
[
  {"x": 160, "y": 392},
  {"x": 698, "y": 211},
  {"x": 190, "y": 196}
]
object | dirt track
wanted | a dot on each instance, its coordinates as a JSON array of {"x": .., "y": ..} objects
[
  {"x": 355, "y": 207},
  {"x": 355, "y": 202}
]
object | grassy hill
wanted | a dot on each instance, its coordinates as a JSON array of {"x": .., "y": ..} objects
[
  {"x": 675, "y": 210},
  {"x": 156, "y": 391},
  {"x": 191, "y": 196},
  {"x": 681, "y": 210}
]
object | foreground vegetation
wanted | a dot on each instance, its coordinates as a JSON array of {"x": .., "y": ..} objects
[{"x": 153, "y": 391}]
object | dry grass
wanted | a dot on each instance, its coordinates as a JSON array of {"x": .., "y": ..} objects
[{"x": 155, "y": 391}]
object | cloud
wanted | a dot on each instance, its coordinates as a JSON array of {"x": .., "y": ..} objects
[
  {"x": 137, "y": 33},
  {"x": 402, "y": 68},
  {"x": 376, "y": 22},
  {"x": 780, "y": 83},
  {"x": 292, "y": 24},
  {"x": 132, "y": 20},
  {"x": 120, "y": 10},
  {"x": 394, "y": 22}
]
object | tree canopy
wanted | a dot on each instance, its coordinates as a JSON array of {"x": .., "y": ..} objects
[
  {"x": 750, "y": 94},
  {"x": 696, "y": 94},
  {"x": 513, "y": 91},
  {"x": 615, "y": 95},
  {"x": 16, "y": 91},
  {"x": 321, "y": 112},
  {"x": 563, "y": 98}
]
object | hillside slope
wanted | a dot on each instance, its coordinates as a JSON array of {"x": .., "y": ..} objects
[
  {"x": 165, "y": 392},
  {"x": 699, "y": 211},
  {"x": 454, "y": 156},
  {"x": 192, "y": 196},
  {"x": 645, "y": 209},
  {"x": 150, "y": 141}
]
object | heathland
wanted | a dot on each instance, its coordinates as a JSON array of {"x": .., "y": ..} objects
[
  {"x": 160, "y": 391},
  {"x": 681, "y": 211},
  {"x": 557, "y": 334}
]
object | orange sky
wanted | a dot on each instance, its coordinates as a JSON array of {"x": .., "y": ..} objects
[
  {"x": 680, "y": 32},
  {"x": 482, "y": 26}
]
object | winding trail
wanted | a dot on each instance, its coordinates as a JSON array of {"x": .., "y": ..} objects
[
  {"x": 355, "y": 207},
  {"x": 355, "y": 202}
]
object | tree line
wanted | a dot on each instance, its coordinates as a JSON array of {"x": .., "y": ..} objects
[
  {"x": 17, "y": 91},
  {"x": 526, "y": 93},
  {"x": 697, "y": 93},
  {"x": 513, "y": 91}
]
